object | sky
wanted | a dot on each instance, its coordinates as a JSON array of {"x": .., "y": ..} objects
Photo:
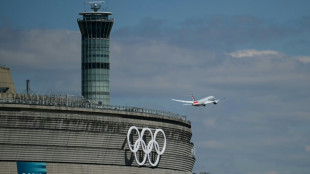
[{"x": 253, "y": 52}]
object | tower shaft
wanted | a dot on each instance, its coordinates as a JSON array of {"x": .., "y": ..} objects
[{"x": 95, "y": 29}]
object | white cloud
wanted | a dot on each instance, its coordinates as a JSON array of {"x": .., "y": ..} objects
[
  {"x": 49, "y": 58},
  {"x": 303, "y": 59},
  {"x": 41, "y": 49},
  {"x": 253, "y": 53}
]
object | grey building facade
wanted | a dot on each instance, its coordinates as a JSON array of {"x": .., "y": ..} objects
[
  {"x": 95, "y": 29},
  {"x": 87, "y": 140},
  {"x": 6, "y": 81}
]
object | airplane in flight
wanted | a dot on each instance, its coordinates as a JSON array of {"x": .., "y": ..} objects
[{"x": 201, "y": 102}]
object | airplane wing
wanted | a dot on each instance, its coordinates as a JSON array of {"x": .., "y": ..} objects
[
  {"x": 183, "y": 101},
  {"x": 220, "y": 99},
  {"x": 207, "y": 102}
]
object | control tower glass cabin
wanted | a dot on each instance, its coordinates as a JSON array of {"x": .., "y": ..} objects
[{"x": 95, "y": 29}]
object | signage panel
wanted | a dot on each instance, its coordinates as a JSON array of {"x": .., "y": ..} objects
[{"x": 31, "y": 167}]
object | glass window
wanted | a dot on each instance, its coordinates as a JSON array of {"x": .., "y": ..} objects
[{"x": 106, "y": 89}]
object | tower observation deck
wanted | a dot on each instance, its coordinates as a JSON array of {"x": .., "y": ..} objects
[{"x": 95, "y": 27}]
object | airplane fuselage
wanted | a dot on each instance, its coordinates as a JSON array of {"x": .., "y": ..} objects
[
  {"x": 201, "y": 102},
  {"x": 204, "y": 101}
]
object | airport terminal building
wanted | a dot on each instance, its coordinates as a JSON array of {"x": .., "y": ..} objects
[
  {"x": 78, "y": 135},
  {"x": 72, "y": 139}
]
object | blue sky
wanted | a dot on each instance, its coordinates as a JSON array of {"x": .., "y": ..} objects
[{"x": 254, "y": 53}]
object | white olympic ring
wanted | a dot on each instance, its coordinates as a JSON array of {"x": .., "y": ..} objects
[{"x": 147, "y": 149}]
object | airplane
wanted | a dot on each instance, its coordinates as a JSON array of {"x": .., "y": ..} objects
[{"x": 201, "y": 102}]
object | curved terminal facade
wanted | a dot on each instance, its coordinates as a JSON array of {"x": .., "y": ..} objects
[{"x": 88, "y": 140}]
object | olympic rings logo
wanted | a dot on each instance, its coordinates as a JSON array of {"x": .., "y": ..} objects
[{"x": 147, "y": 149}]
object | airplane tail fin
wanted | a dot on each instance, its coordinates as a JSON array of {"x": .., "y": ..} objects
[{"x": 193, "y": 97}]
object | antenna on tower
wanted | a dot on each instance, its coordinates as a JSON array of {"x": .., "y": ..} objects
[
  {"x": 95, "y": 5},
  {"x": 28, "y": 87}
]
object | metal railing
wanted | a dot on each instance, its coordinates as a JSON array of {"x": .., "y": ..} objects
[
  {"x": 96, "y": 19},
  {"x": 76, "y": 102}
]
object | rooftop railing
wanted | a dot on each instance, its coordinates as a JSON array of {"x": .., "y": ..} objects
[
  {"x": 76, "y": 102},
  {"x": 96, "y": 19}
]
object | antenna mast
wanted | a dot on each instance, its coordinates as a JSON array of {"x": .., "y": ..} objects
[
  {"x": 95, "y": 6},
  {"x": 28, "y": 87}
]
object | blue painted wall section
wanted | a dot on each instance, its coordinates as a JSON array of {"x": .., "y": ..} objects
[{"x": 31, "y": 168}]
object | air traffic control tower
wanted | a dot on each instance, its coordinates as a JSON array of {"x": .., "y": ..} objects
[{"x": 95, "y": 28}]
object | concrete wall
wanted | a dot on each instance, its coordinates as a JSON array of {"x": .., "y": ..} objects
[
  {"x": 6, "y": 80},
  {"x": 69, "y": 168},
  {"x": 92, "y": 140}
]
